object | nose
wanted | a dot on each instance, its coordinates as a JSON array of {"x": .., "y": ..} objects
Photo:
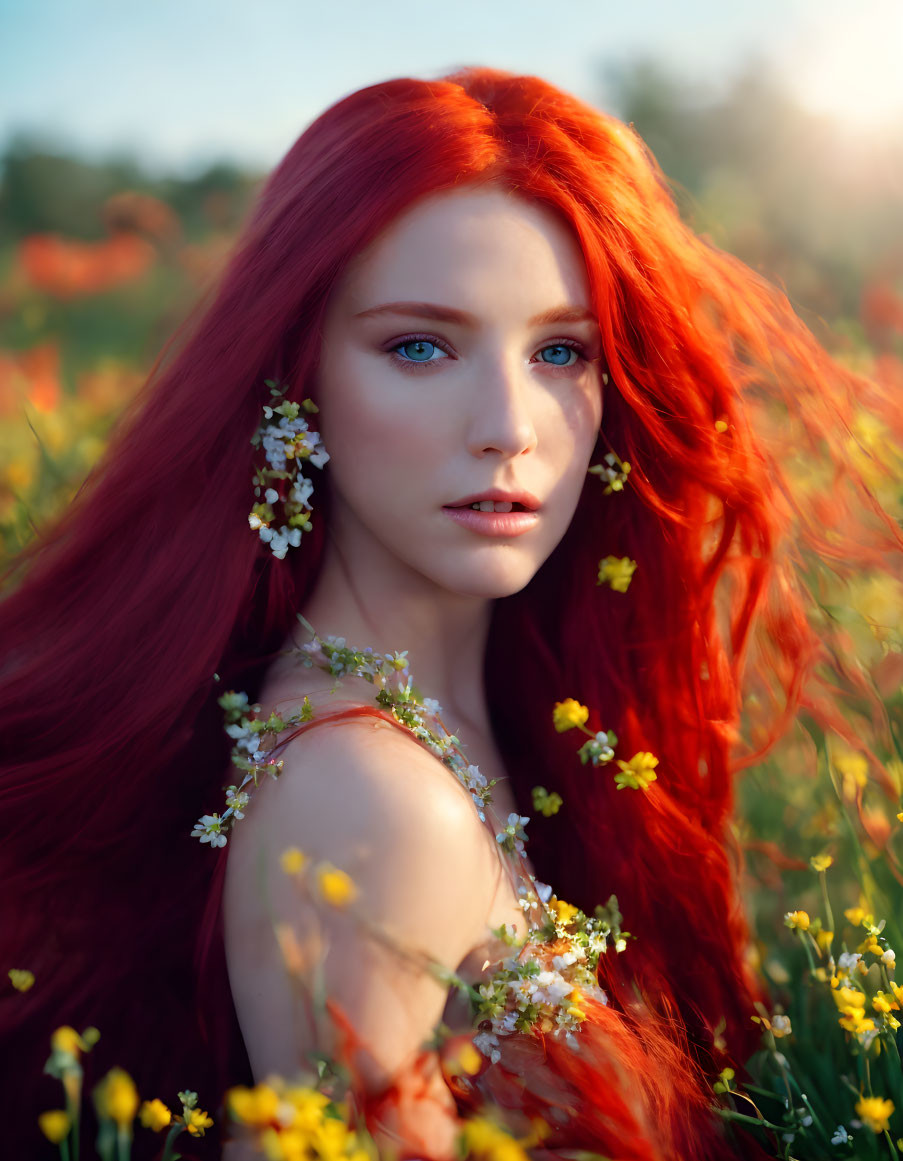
[{"x": 502, "y": 416}]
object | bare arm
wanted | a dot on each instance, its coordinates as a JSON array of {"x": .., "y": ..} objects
[{"x": 371, "y": 801}]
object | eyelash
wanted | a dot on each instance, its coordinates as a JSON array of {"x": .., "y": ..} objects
[{"x": 413, "y": 364}]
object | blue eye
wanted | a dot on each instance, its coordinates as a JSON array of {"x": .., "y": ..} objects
[
  {"x": 562, "y": 350},
  {"x": 421, "y": 351}
]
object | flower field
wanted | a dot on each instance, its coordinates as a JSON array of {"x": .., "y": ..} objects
[{"x": 819, "y": 819}]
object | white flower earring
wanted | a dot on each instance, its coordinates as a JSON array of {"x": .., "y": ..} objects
[{"x": 287, "y": 443}]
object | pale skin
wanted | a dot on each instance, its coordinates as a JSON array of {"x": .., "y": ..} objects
[{"x": 503, "y": 395}]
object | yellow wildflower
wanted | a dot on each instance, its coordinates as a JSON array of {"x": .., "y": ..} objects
[
  {"x": 720, "y": 425},
  {"x": 485, "y": 1141},
  {"x": 616, "y": 572},
  {"x": 67, "y": 1040},
  {"x": 293, "y": 861},
  {"x": 848, "y": 998},
  {"x": 547, "y": 804},
  {"x": 823, "y": 939},
  {"x": 568, "y": 713},
  {"x": 638, "y": 773},
  {"x": 117, "y": 1098},
  {"x": 564, "y": 911},
  {"x": 853, "y": 768},
  {"x": 723, "y": 1083},
  {"x": 797, "y": 920},
  {"x": 874, "y": 1112},
  {"x": 335, "y": 887},
  {"x": 21, "y": 979},
  {"x": 855, "y": 915},
  {"x": 256, "y": 1106},
  {"x": 820, "y": 862},
  {"x": 309, "y": 1107},
  {"x": 196, "y": 1121},
  {"x": 55, "y": 1125},
  {"x": 854, "y": 1020},
  {"x": 897, "y": 989},
  {"x": 154, "y": 1115},
  {"x": 467, "y": 1061},
  {"x": 882, "y": 1002},
  {"x": 900, "y": 816}
]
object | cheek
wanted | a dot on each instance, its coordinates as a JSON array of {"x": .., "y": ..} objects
[
  {"x": 573, "y": 435},
  {"x": 377, "y": 443}
]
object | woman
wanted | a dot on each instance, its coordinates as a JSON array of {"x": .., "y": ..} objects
[{"x": 572, "y": 317}]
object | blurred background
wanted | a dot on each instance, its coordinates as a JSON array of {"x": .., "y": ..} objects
[{"x": 133, "y": 138}]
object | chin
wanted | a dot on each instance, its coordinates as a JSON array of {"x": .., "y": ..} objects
[{"x": 488, "y": 582}]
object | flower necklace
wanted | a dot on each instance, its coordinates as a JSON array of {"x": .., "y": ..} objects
[{"x": 543, "y": 984}]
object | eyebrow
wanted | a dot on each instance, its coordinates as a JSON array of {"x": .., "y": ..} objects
[{"x": 449, "y": 314}]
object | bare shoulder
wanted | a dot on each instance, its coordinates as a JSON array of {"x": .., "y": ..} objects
[{"x": 366, "y": 797}]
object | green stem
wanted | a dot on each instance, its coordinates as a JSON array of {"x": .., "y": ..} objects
[
  {"x": 807, "y": 940},
  {"x": 816, "y": 1120},
  {"x": 769, "y": 1092},
  {"x": 823, "y": 875},
  {"x": 122, "y": 1144},
  {"x": 168, "y": 1153},
  {"x": 891, "y": 1146},
  {"x": 64, "y": 1149},
  {"x": 742, "y": 1118}
]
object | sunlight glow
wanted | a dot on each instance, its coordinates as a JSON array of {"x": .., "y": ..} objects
[{"x": 850, "y": 65}]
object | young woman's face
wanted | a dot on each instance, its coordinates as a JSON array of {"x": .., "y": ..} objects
[{"x": 461, "y": 367}]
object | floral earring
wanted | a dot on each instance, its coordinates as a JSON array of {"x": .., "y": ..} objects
[
  {"x": 287, "y": 443},
  {"x": 613, "y": 471}
]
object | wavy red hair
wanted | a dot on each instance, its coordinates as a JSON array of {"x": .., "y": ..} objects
[{"x": 151, "y": 582}]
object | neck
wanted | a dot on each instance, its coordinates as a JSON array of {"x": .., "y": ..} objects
[{"x": 383, "y": 604}]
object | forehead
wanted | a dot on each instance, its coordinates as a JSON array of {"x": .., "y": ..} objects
[{"x": 478, "y": 243}]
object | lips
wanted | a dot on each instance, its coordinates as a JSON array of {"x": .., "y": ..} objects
[{"x": 497, "y": 500}]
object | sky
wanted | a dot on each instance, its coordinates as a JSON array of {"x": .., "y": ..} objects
[{"x": 179, "y": 84}]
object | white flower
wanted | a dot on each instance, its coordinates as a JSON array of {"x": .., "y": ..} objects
[
  {"x": 238, "y": 800},
  {"x": 847, "y": 960},
  {"x": 431, "y": 706},
  {"x": 487, "y": 1043},
  {"x": 782, "y": 1024},
  {"x": 255, "y": 522},
  {"x": 271, "y": 495},
  {"x": 507, "y": 1024},
  {"x": 543, "y": 890},
  {"x": 207, "y": 829},
  {"x": 318, "y": 454},
  {"x": 302, "y": 491},
  {"x": 474, "y": 777},
  {"x": 841, "y": 1136},
  {"x": 559, "y": 962},
  {"x": 551, "y": 987},
  {"x": 280, "y": 541},
  {"x": 889, "y": 957}
]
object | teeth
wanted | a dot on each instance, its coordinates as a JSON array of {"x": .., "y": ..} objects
[{"x": 493, "y": 506}]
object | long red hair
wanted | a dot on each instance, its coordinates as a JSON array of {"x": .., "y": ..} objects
[{"x": 152, "y": 582}]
